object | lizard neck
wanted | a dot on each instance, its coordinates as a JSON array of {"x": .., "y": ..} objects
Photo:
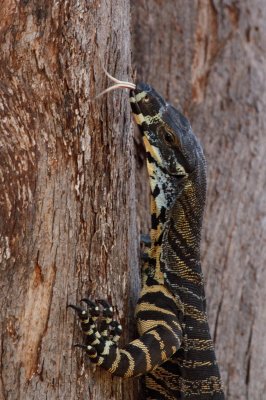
[
  {"x": 184, "y": 222},
  {"x": 176, "y": 219},
  {"x": 175, "y": 238},
  {"x": 180, "y": 256},
  {"x": 158, "y": 225}
]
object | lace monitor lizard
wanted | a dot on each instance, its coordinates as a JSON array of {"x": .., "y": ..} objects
[{"x": 174, "y": 349}]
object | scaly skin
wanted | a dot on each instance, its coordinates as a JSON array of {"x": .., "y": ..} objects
[{"x": 174, "y": 348}]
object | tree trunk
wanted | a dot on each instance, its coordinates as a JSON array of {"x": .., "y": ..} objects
[
  {"x": 208, "y": 57},
  {"x": 69, "y": 221},
  {"x": 67, "y": 192}
]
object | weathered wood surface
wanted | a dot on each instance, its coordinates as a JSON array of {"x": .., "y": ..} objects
[
  {"x": 208, "y": 57},
  {"x": 67, "y": 192},
  {"x": 68, "y": 223}
]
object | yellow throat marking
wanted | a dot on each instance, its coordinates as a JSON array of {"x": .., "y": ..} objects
[{"x": 152, "y": 150}]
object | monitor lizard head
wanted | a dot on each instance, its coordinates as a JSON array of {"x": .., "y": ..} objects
[{"x": 175, "y": 158}]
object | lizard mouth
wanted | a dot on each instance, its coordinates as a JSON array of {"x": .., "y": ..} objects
[
  {"x": 136, "y": 110},
  {"x": 118, "y": 84},
  {"x": 136, "y": 91}
]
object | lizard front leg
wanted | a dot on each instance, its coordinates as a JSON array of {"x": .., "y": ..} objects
[{"x": 159, "y": 328}]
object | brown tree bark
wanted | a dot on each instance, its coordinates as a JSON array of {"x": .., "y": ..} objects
[
  {"x": 208, "y": 57},
  {"x": 67, "y": 192},
  {"x": 68, "y": 217}
]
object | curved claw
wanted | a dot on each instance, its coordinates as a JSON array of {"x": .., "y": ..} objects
[
  {"x": 108, "y": 310},
  {"x": 104, "y": 303},
  {"x": 93, "y": 308},
  {"x": 89, "y": 350},
  {"x": 76, "y": 308},
  {"x": 89, "y": 302},
  {"x": 79, "y": 310}
]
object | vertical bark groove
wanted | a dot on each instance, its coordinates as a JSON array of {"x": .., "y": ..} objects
[{"x": 69, "y": 219}]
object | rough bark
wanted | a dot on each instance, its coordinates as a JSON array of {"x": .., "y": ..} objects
[
  {"x": 67, "y": 192},
  {"x": 208, "y": 57},
  {"x": 68, "y": 203}
]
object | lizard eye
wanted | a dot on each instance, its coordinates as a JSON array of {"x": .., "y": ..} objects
[
  {"x": 169, "y": 137},
  {"x": 146, "y": 99}
]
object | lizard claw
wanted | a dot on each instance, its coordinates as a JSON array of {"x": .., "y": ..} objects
[{"x": 81, "y": 313}]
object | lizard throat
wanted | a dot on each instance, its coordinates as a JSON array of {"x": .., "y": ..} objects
[
  {"x": 158, "y": 220},
  {"x": 162, "y": 197},
  {"x": 158, "y": 206},
  {"x": 177, "y": 218}
]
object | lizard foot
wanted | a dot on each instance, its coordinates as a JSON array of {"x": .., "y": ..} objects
[{"x": 100, "y": 329}]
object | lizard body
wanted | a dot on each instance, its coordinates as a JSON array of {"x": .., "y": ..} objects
[{"x": 174, "y": 349}]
